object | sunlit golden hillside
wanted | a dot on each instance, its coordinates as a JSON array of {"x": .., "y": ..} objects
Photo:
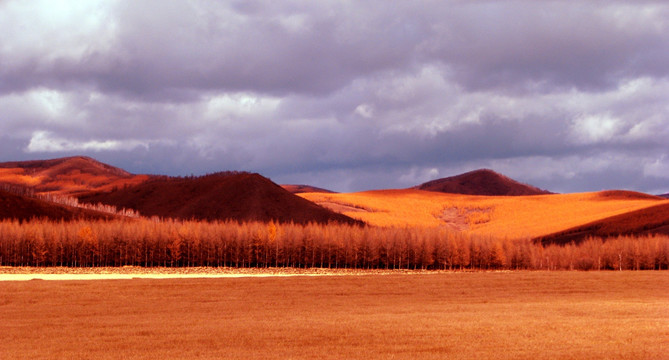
[
  {"x": 505, "y": 216},
  {"x": 67, "y": 176}
]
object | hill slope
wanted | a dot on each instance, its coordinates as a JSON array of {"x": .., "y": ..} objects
[
  {"x": 59, "y": 166},
  {"x": 236, "y": 196},
  {"x": 481, "y": 182},
  {"x": 651, "y": 220},
  {"x": 66, "y": 176},
  {"x": 22, "y": 208},
  {"x": 497, "y": 216},
  {"x": 300, "y": 189}
]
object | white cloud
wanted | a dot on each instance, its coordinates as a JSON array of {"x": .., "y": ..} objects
[
  {"x": 50, "y": 30},
  {"x": 416, "y": 176},
  {"x": 44, "y": 141},
  {"x": 365, "y": 110},
  {"x": 658, "y": 168},
  {"x": 240, "y": 105},
  {"x": 596, "y": 128},
  {"x": 295, "y": 23},
  {"x": 636, "y": 17}
]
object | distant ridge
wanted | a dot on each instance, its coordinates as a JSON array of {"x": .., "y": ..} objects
[
  {"x": 481, "y": 182},
  {"x": 220, "y": 196},
  {"x": 626, "y": 195},
  {"x": 59, "y": 166},
  {"x": 666, "y": 196},
  {"x": 300, "y": 189}
]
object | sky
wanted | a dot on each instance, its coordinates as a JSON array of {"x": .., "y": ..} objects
[{"x": 569, "y": 96}]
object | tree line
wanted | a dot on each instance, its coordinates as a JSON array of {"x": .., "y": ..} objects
[{"x": 172, "y": 243}]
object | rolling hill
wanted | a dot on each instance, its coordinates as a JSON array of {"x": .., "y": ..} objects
[
  {"x": 67, "y": 176},
  {"x": 497, "y": 216},
  {"x": 480, "y": 202},
  {"x": 234, "y": 196},
  {"x": 481, "y": 182}
]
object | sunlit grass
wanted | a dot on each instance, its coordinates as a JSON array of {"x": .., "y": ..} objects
[
  {"x": 18, "y": 177},
  {"x": 507, "y": 315},
  {"x": 66, "y": 184},
  {"x": 499, "y": 216}
]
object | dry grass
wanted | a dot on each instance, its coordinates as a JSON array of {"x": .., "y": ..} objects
[
  {"x": 67, "y": 184},
  {"x": 18, "y": 177},
  {"x": 512, "y": 315},
  {"x": 499, "y": 216}
]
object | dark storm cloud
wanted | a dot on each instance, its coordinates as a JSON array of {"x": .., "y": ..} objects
[
  {"x": 348, "y": 95},
  {"x": 164, "y": 50},
  {"x": 161, "y": 49},
  {"x": 542, "y": 45}
]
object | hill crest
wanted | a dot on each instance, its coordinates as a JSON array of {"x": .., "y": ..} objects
[
  {"x": 301, "y": 188},
  {"x": 481, "y": 182},
  {"x": 66, "y": 176},
  {"x": 626, "y": 195},
  {"x": 237, "y": 196},
  {"x": 60, "y": 166}
]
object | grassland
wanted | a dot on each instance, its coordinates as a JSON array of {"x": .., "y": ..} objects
[
  {"x": 501, "y": 315},
  {"x": 498, "y": 216},
  {"x": 69, "y": 176}
]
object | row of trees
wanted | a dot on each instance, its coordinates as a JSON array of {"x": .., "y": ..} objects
[
  {"x": 99, "y": 207},
  {"x": 191, "y": 243}
]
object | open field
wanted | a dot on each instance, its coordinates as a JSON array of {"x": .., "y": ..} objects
[
  {"x": 27, "y": 273},
  {"x": 499, "y": 315},
  {"x": 498, "y": 216}
]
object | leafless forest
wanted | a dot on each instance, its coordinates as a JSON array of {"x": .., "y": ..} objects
[{"x": 195, "y": 243}]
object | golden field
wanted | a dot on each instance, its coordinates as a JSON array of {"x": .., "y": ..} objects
[
  {"x": 459, "y": 315},
  {"x": 497, "y": 216}
]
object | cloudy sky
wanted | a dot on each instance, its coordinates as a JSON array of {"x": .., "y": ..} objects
[{"x": 566, "y": 95}]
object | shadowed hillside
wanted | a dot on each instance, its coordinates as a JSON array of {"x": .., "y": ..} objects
[
  {"x": 651, "y": 220},
  {"x": 22, "y": 208},
  {"x": 300, "y": 189},
  {"x": 236, "y": 196},
  {"x": 481, "y": 182},
  {"x": 66, "y": 176},
  {"x": 626, "y": 195},
  {"x": 666, "y": 196}
]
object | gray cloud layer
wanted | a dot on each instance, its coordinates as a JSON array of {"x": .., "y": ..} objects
[{"x": 569, "y": 96}]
